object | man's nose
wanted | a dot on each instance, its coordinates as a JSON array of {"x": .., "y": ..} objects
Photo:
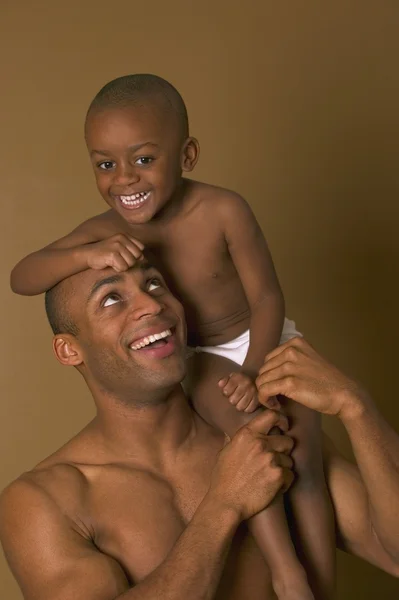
[{"x": 146, "y": 306}]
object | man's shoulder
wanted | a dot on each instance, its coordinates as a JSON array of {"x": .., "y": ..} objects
[
  {"x": 38, "y": 493},
  {"x": 59, "y": 477},
  {"x": 49, "y": 478}
]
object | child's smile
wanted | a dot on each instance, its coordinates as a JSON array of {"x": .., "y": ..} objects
[{"x": 133, "y": 201}]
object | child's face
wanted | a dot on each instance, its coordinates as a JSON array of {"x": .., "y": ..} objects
[{"x": 138, "y": 156}]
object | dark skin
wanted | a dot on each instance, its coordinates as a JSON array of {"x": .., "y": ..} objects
[
  {"x": 208, "y": 243},
  {"x": 146, "y": 501},
  {"x": 207, "y": 240}
]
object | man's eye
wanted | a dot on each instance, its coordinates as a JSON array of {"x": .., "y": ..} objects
[
  {"x": 143, "y": 161},
  {"x": 154, "y": 284},
  {"x": 111, "y": 299},
  {"x": 106, "y": 165}
]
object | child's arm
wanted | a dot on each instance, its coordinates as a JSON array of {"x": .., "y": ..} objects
[
  {"x": 83, "y": 248},
  {"x": 309, "y": 497},
  {"x": 252, "y": 259},
  {"x": 254, "y": 264}
]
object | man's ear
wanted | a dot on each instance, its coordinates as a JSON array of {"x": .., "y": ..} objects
[
  {"x": 190, "y": 154},
  {"x": 67, "y": 350}
]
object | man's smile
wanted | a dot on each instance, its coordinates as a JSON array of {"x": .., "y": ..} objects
[
  {"x": 151, "y": 339},
  {"x": 161, "y": 347}
]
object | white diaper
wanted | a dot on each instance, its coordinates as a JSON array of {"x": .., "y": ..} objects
[{"x": 236, "y": 350}]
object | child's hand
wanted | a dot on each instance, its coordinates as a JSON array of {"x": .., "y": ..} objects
[
  {"x": 241, "y": 391},
  {"x": 118, "y": 251}
]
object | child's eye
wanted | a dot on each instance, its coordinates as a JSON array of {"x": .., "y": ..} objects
[
  {"x": 154, "y": 284},
  {"x": 143, "y": 161},
  {"x": 106, "y": 165},
  {"x": 111, "y": 299}
]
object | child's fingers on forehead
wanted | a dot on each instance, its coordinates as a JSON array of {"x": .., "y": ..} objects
[
  {"x": 134, "y": 250},
  {"x": 136, "y": 242}
]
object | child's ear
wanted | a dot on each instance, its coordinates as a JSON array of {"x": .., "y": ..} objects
[
  {"x": 67, "y": 350},
  {"x": 190, "y": 154}
]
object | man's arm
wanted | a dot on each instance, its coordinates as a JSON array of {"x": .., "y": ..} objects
[
  {"x": 51, "y": 559},
  {"x": 355, "y": 532},
  {"x": 254, "y": 264},
  {"x": 365, "y": 496},
  {"x": 94, "y": 244}
]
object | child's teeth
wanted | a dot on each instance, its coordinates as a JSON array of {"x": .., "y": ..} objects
[{"x": 135, "y": 199}]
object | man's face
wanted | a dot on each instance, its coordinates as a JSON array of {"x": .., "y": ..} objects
[
  {"x": 131, "y": 332},
  {"x": 136, "y": 153}
]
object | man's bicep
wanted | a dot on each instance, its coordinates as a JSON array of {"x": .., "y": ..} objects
[
  {"x": 355, "y": 533},
  {"x": 48, "y": 557}
]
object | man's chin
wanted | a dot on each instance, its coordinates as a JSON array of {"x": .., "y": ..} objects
[
  {"x": 183, "y": 373},
  {"x": 171, "y": 368},
  {"x": 177, "y": 372}
]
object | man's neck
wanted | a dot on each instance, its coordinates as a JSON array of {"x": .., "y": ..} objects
[{"x": 150, "y": 433}]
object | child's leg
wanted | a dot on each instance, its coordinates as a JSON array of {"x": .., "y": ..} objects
[
  {"x": 269, "y": 527},
  {"x": 309, "y": 501}
]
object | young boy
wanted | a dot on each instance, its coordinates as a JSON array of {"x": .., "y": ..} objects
[{"x": 216, "y": 260}]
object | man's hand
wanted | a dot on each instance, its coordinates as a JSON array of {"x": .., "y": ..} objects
[
  {"x": 254, "y": 466},
  {"x": 296, "y": 371},
  {"x": 118, "y": 251}
]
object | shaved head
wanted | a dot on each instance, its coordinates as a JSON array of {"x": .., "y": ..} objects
[
  {"x": 142, "y": 90},
  {"x": 57, "y": 302}
]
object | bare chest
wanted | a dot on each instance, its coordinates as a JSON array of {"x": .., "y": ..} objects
[
  {"x": 192, "y": 253},
  {"x": 138, "y": 517}
]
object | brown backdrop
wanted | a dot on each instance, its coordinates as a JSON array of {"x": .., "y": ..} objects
[{"x": 296, "y": 107}]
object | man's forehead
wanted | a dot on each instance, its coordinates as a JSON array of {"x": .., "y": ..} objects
[{"x": 88, "y": 282}]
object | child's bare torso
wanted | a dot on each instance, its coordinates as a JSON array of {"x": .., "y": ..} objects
[{"x": 193, "y": 255}]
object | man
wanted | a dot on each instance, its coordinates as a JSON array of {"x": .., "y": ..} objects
[{"x": 148, "y": 501}]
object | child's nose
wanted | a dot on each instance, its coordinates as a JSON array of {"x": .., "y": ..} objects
[{"x": 126, "y": 174}]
